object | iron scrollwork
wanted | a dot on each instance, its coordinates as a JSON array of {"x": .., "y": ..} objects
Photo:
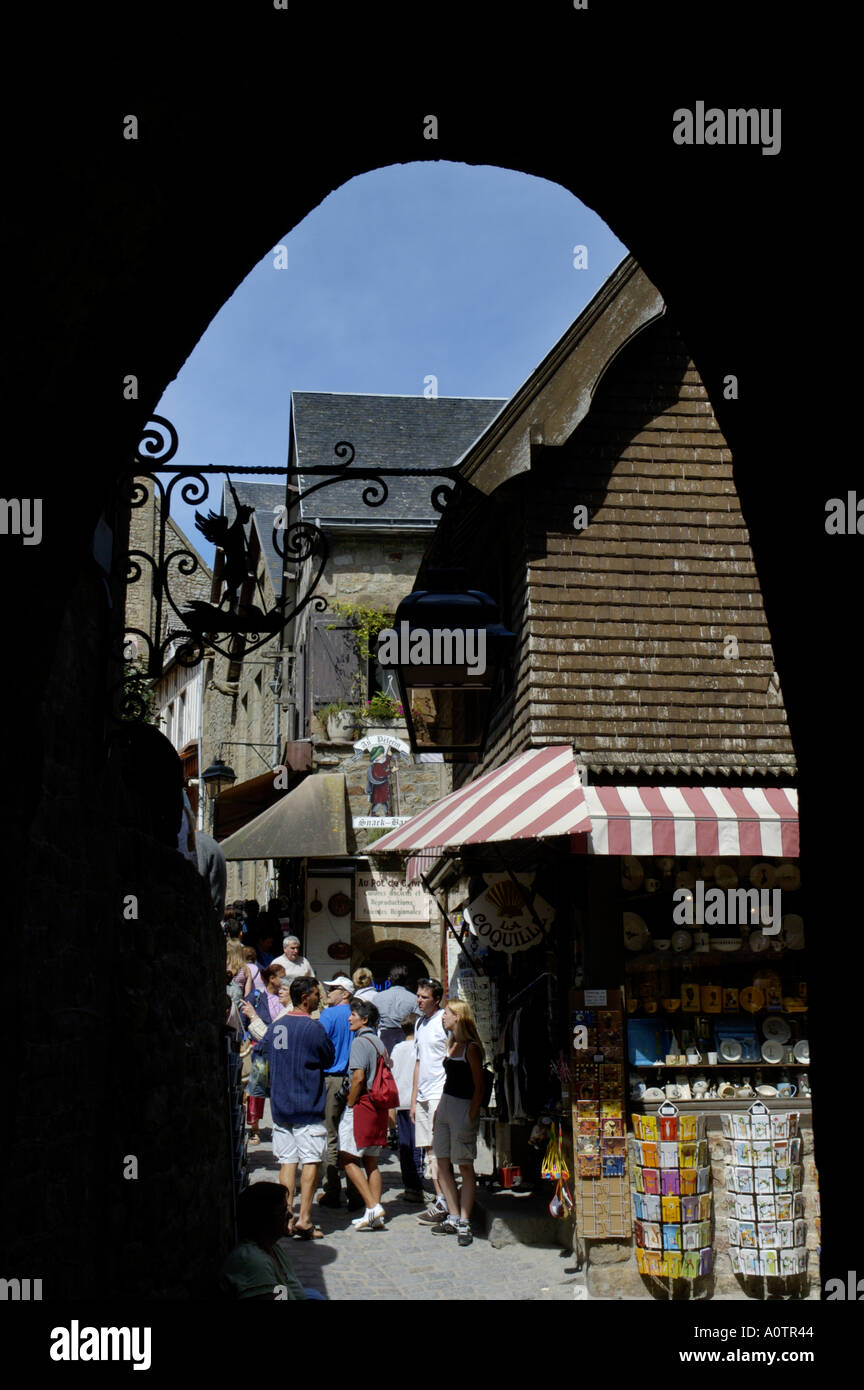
[{"x": 234, "y": 625}]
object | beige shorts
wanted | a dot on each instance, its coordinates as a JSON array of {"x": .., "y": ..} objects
[
  {"x": 455, "y": 1137},
  {"x": 424, "y": 1121}
]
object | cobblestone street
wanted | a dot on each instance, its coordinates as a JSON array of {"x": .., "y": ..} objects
[{"x": 406, "y": 1261}]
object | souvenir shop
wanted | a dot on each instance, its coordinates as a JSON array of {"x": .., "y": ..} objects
[{"x": 646, "y": 1014}]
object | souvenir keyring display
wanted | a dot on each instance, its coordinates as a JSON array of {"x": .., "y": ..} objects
[
  {"x": 765, "y": 1204},
  {"x": 671, "y": 1194}
]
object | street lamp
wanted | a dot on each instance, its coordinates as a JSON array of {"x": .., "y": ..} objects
[
  {"x": 449, "y": 647},
  {"x": 218, "y": 777}
]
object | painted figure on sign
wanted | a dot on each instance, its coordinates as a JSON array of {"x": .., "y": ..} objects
[{"x": 378, "y": 787}]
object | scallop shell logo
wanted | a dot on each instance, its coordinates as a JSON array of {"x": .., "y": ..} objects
[{"x": 507, "y": 898}]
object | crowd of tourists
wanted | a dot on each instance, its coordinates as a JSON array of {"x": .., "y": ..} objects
[{"x": 348, "y": 1070}]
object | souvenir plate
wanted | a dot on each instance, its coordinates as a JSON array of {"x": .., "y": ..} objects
[
  {"x": 787, "y": 877},
  {"x": 762, "y": 875},
  {"x": 752, "y": 999},
  {"x": 766, "y": 1091},
  {"x": 801, "y": 1051},
  {"x": 777, "y": 1029},
  {"x": 730, "y": 1050},
  {"x": 636, "y": 933},
  {"x": 792, "y": 928},
  {"x": 725, "y": 876},
  {"x": 681, "y": 941},
  {"x": 773, "y": 1051},
  {"x": 726, "y": 943},
  {"x": 654, "y": 1093},
  {"x": 632, "y": 873}
]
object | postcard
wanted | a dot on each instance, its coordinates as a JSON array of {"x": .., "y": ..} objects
[
  {"x": 670, "y": 1180},
  {"x": 747, "y": 1234},
  {"x": 768, "y": 1262},
  {"x": 587, "y": 1144},
  {"x": 691, "y": 1235},
  {"x": 689, "y": 1179},
  {"x": 612, "y": 1165},
  {"x": 649, "y": 1127},
  {"x": 800, "y": 1232},
  {"x": 651, "y": 1207},
  {"x": 762, "y": 1180},
  {"x": 668, "y": 1155},
  {"x": 689, "y": 1126},
  {"x": 732, "y": 1231},
  {"x": 672, "y": 1263},
  {"x": 703, "y": 1179},
  {"x": 769, "y": 1236},
  {"x": 612, "y": 1126},
  {"x": 690, "y": 1208},
  {"x": 780, "y": 1126},
  {"x": 794, "y": 1150},
  {"x": 591, "y": 1126},
  {"x": 705, "y": 1206},
  {"x": 744, "y": 1179},
  {"x": 690, "y": 1264},
  {"x": 640, "y": 1259},
  {"x": 788, "y": 1263},
  {"x": 784, "y": 1205},
  {"x": 743, "y": 1152},
  {"x": 653, "y": 1262},
  {"x": 706, "y": 1259},
  {"x": 652, "y": 1235},
  {"x": 765, "y": 1209},
  {"x": 734, "y": 1256},
  {"x": 760, "y": 1126},
  {"x": 669, "y": 1132},
  {"x": 671, "y": 1207},
  {"x": 588, "y": 1166},
  {"x": 745, "y": 1208},
  {"x": 787, "y": 1233},
  {"x": 672, "y": 1237},
  {"x": 651, "y": 1179},
  {"x": 762, "y": 1155},
  {"x": 750, "y": 1261},
  {"x": 740, "y": 1126}
]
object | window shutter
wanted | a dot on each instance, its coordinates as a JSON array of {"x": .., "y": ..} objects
[{"x": 335, "y": 663}]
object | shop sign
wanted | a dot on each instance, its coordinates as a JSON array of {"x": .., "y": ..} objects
[
  {"x": 502, "y": 920},
  {"x": 381, "y": 897},
  {"x": 378, "y": 822}
]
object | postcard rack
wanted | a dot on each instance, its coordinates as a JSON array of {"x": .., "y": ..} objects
[
  {"x": 765, "y": 1203},
  {"x": 599, "y": 1137},
  {"x": 672, "y": 1200}
]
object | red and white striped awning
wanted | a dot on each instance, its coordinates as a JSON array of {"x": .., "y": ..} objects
[
  {"x": 683, "y": 821},
  {"x": 532, "y": 796}
]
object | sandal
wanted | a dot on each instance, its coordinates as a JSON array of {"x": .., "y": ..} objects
[{"x": 306, "y": 1232}]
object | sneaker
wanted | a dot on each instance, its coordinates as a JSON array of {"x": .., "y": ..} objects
[
  {"x": 373, "y": 1223},
  {"x": 447, "y": 1227},
  {"x": 465, "y": 1234},
  {"x": 431, "y": 1216},
  {"x": 361, "y": 1220}
]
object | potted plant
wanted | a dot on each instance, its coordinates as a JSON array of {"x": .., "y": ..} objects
[
  {"x": 340, "y": 721},
  {"x": 382, "y": 708}
]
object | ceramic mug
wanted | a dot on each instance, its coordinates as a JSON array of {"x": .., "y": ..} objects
[
  {"x": 787, "y": 1090},
  {"x": 712, "y": 1059},
  {"x": 694, "y": 1056}
]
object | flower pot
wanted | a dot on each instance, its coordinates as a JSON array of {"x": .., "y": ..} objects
[{"x": 340, "y": 726}]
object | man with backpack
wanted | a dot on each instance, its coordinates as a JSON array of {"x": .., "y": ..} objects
[{"x": 363, "y": 1127}]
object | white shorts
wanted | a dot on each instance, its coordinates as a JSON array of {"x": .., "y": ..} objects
[
  {"x": 424, "y": 1120},
  {"x": 347, "y": 1142},
  {"x": 455, "y": 1136},
  {"x": 300, "y": 1143}
]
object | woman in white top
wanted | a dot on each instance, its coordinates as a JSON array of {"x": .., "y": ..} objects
[{"x": 363, "y": 986}]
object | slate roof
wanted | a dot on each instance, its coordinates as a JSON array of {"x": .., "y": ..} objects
[{"x": 390, "y": 431}]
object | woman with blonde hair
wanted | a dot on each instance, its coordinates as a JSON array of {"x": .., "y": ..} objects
[
  {"x": 363, "y": 986},
  {"x": 237, "y": 971},
  {"x": 454, "y": 1136}
]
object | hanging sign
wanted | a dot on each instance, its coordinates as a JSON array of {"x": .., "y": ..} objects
[{"x": 502, "y": 920}]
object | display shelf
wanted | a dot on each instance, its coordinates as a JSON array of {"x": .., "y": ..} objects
[
  {"x": 715, "y": 1105},
  {"x": 717, "y": 1066},
  {"x": 690, "y": 959}
]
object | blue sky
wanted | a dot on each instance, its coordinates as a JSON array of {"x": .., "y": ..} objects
[{"x": 458, "y": 271}]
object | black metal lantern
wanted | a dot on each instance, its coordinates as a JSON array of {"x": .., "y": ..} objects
[
  {"x": 447, "y": 646},
  {"x": 217, "y": 777}
]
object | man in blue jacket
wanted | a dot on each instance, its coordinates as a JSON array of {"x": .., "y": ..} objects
[{"x": 298, "y": 1050}]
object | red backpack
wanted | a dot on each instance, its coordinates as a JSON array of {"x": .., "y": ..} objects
[{"x": 370, "y": 1111}]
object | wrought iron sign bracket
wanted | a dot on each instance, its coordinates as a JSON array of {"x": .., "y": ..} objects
[{"x": 233, "y": 626}]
